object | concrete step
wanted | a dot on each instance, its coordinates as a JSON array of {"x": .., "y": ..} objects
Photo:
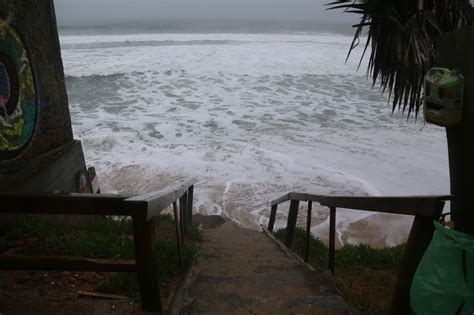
[
  {"x": 245, "y": 272},
  {"x": 232, "y": 303}
]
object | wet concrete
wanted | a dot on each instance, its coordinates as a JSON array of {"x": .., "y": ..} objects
[{"x": 242, "y": 271}]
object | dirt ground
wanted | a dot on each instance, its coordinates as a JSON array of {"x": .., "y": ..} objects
[
  {"x": 57, "y": 293},
  {"x": 31, "y": 292}
]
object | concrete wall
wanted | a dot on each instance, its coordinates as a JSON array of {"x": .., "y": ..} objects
[
  {"x": 38, "y": 116},
  {"x": 37, "y": 149}
]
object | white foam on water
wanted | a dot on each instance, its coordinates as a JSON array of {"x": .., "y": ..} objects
[{"x": 252, "y": 117}]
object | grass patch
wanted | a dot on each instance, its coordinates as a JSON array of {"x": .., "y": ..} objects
[
  {"x": 366, "y": 276},
  {"x": 106, "y": 238}
]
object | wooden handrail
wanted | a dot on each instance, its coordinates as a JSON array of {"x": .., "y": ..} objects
[
  {"x": 420, "y": 205},
  {"x": 142, "y": 209},
  {"x": 65, "y": 263},
  {"x": 73, "y": 204},
  {"x": 281, "y": 199},
  {"x": 159, "y": 200},
  {"x": 367, "y": 203},
  {"x": 424, "y": 208}
]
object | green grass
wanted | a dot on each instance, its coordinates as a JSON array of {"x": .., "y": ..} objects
[
  {"x": 366, "y": 276},
  {"x": 318, "y": 252},
  {"x": 107, "y": 238},
  {"x": 363, "y": 257}
]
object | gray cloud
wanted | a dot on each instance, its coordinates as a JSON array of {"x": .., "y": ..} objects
[{"x": 73, "y": 10}]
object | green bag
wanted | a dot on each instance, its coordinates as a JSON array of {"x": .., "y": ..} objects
[{"x": 444, "y": 281}]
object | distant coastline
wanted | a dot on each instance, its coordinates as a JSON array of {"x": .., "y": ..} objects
[{"x": 195, "y": 26}]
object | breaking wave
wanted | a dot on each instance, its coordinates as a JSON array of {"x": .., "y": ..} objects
[{"x": 252, "y": 116}]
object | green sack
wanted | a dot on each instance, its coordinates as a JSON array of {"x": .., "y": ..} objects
[{"x": 444, "y": 280}]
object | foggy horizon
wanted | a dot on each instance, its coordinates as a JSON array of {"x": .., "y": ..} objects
[{"x": 74, "y": 12}]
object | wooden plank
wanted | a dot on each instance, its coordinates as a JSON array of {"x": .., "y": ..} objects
[
  {"x": 410, "y": 205},
  {"x": 298, "y": 196},
  {"x": 418, "y": 205},
  {"x": 61, "y": 263},
  {"x": 162, "y": 200},
  {"x": 190, "y": 205},
  {"x": 316, "y": 198},
  {"x": 291, "y": 225},
  {"x": 159, "y": 200},
  {"x": 332, "y": 238},
  {"x": 308, "y": 230},
  {"x": 33, "y": 196},
  {"x": 102, "y": 295},
  {"x": 144, "y": 239},
  {"x": 179, "y": 236},
  {"x": 304, "y": 197},
  {"x": 182, "y": 216},
  {"x": 78, "y": 204},
  {"x": 281, "y": 199},
  {"x": 420, "y": 237},
  {"x": 271, "y": 222},
  {"x": 179, "y": 186},
  {"x": 184, "y": 200}
]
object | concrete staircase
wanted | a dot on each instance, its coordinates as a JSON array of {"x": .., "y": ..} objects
[{"x": 245, "y": 272}]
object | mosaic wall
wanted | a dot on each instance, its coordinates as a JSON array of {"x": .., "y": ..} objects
[{"x": 18, "y": 100}]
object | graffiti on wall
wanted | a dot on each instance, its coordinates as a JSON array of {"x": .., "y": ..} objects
[{"x": 18, "y": 101}]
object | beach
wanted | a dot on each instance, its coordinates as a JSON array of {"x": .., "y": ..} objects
[{"x": 252, "y": 115}]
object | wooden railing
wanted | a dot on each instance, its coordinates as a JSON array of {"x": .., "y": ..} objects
[
  {"x": 424, "y": 208},
  {"x": 142, "y": 209}
]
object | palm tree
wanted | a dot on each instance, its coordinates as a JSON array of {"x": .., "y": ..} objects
[{"x": 401, "y": 41}]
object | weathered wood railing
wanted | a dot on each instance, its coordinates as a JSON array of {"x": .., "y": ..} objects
[
  {"x": 424, "y": 208},
  {"x": 142, "y": 209}
]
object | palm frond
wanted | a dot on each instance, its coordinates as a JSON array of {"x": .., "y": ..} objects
[{"x": 401, "y": 36}]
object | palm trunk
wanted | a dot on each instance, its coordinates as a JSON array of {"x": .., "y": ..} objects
[{"x": 456, "y": 50}]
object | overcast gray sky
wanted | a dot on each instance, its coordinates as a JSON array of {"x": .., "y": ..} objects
[{"x": 202, "y": 9}]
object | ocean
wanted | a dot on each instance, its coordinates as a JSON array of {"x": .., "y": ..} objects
[{"x": 253, "y": 110}]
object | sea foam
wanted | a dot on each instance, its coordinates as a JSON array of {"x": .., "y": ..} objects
[{"x": 251, "y": 116}]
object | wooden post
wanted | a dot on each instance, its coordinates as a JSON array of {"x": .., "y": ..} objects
[
  {"x": 456, "y": 51},
  {"x": 144, "y": 240},
  {"x": 183, "y": 205},
  {"x": 420, "y": 237},
  {"x": 190, "y": 205},
  {"x": 271, "y": 221},
  {"x": 332, "y": 238},
  {"x": 178, "y": 232},
  {"x": 308, "y": 230},
  {"x": 182, "y": 216},
  {"x": 185, "y": 208},
  {"x": 291, "y": 225}
]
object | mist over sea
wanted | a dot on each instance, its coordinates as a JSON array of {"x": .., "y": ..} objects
[
  {"x": 251, "y": 108},
  {"x": 116, "y": 26}
]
